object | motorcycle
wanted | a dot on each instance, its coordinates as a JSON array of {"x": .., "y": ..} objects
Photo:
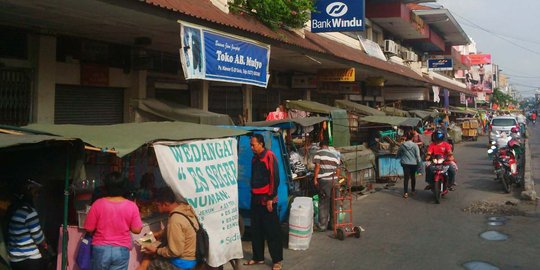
[
  {"x": 505, "y": 166},
  {"x": 440, "y": 177}
]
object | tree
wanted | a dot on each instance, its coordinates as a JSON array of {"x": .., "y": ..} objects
[
  {"x": 501, "y": 98},
  {"x": 276, "y": 13}
]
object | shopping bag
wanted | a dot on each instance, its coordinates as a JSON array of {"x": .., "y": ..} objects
[{"x": 84, "y": 254}]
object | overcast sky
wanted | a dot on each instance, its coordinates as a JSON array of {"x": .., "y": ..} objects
[{"x": 517, "y": 21}]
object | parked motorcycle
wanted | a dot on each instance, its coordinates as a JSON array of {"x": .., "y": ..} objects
[{"x": 440, "y": 177}]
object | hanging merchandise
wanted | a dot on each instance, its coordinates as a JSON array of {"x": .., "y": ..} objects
[
  {"x": 297, "y": 166},
  {"x": 436, "y": 97}
]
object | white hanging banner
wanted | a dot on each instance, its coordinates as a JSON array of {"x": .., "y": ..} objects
[
  {"x": 436, "y": 97},
  {"x": 205, "y": 173},
  {"x": 462, "y": 98}
]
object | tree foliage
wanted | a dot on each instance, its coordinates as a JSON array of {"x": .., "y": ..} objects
[
  {"x": 276, "y": 13},
  {"x": 501, "y": 98}
]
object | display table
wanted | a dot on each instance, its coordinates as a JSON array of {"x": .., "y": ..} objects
[{"x": 74, "y": 237}]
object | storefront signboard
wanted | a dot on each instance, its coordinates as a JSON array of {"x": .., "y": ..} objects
[
  {"x": 94, "y": 75},
  {"x": 476, "y": 59},
  {"x": 217, "y": 56},
  {"x": 205, "y": 173},
  {"x": 336, "y": 75},
  {"x": 440, "y": 64},
  {"x": 338, "y": 16},
  {"x": 372, "y": 48}
]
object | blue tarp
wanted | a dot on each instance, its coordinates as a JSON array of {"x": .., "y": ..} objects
[{"x": 274, "y": 141}]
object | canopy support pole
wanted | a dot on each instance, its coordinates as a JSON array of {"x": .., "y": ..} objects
[{"x": 64, "y": 224}]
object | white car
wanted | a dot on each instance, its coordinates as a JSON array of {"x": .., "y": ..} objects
[{"x": 501, "y": 124}]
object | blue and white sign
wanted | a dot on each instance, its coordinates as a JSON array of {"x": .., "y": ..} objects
[
  {"x": 440, "y": 64},
  {"x": 212, "y": 55},
  {"x": 338, "y": 16}
]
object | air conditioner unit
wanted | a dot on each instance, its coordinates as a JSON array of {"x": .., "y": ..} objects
[
  {"x": 410, "y": 56},
  {"x": 390, "y": 46}
]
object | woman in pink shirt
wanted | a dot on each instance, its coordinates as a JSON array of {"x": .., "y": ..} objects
[{"x": 112, "y": 219}]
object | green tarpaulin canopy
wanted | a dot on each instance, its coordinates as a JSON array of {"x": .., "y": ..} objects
[
  {"x": 169, "y": 111},
  {"x": 340, "y": 120},
  {"x": 392, "y": 120},
  {"x": 287, "y": 123},
  {"x": 126, "y": 138},
  {"x": 310, "y": 106},
  {"x": 357, "y": 108},
  {"x": 9, "y": 141},
  {"x": 395, "y": 112},
  {"x": 424, "y": 114}
]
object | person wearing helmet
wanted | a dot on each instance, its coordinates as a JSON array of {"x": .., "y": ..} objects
[
  {"x": 439, "y": 146},
  {"x": 515, "y": 133}
]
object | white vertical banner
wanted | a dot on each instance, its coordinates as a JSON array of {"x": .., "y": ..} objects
[
  {"x": 205, "y": 173},
  {"x": 462, "y": 98},
  {"x": 436, "y": 97}
]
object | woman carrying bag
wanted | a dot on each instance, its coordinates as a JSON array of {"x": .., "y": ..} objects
[{"x": 409, "y": 155}]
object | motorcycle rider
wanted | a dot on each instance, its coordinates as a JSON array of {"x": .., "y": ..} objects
[{"x": 439, "y": 146}]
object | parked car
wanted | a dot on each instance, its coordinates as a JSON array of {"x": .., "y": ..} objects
[{"x": 501, "y": 124}]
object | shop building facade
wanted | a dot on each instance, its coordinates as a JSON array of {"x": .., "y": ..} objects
[{"x": 84, "y": 62}]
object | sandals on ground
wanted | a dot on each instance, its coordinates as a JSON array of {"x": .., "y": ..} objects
[
  {"x": 405, "y": 195},
  {"x": 253, "y": 262},
  {"x": 277, "y": 266}
]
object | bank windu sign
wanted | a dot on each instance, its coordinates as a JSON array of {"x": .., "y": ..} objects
[{"x": 338, "y": 16}]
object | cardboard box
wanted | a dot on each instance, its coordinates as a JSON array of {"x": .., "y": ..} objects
[
  {"x": 474, "y": 124},
  {"x": 465, "y": 125}
]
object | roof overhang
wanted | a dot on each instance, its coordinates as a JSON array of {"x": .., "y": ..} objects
[
  {"x": 397, "y": 18},
  {"x": 445, "y": 24}
]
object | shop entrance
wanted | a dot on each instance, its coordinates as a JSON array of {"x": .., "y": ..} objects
[
  {"x": 15, "y": 97},
  {"x": 86, "y": 105}
]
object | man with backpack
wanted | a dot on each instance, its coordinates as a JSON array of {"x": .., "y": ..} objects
[{"x": 179, "y": 250}]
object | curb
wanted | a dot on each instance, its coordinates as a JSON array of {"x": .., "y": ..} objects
[{"x": 529, "y": 192}]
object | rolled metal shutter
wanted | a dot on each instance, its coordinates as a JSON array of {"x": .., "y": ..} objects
[{"x": 88, "y": 105}]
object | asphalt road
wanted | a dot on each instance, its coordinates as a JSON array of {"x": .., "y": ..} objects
[{"x": 416, "y": 233}]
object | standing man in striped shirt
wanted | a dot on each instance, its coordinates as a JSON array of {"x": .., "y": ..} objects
[
  {"x": 326, "y": 171},
  {"x": 25, "y": 239}
]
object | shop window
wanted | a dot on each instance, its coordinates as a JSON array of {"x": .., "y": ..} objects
[
  {"x": 76, "y": 50},
  {"x": 13, "y": 44},
  {"x": 68, "y": 49}
]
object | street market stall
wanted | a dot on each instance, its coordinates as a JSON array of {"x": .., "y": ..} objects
[
  {"x": 48, "y": 160},
  {"x": 395, "y": 111},
  {"x": 338, "y": 128},
  {"x": 386, "y": 140},
  {"x": 356, "y": 111},
  {"x": 197, "y": 161}
]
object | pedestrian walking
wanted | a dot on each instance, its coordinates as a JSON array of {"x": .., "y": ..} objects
[
  {"x": 179, "y": 242},
  {"x": 25, "y": 239},
  {"x": 326, "y": 171},
  {"x": 264, "y": 218},
  {"x": 409, "y": 156},
  {"x": 111, "y": 220}
]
